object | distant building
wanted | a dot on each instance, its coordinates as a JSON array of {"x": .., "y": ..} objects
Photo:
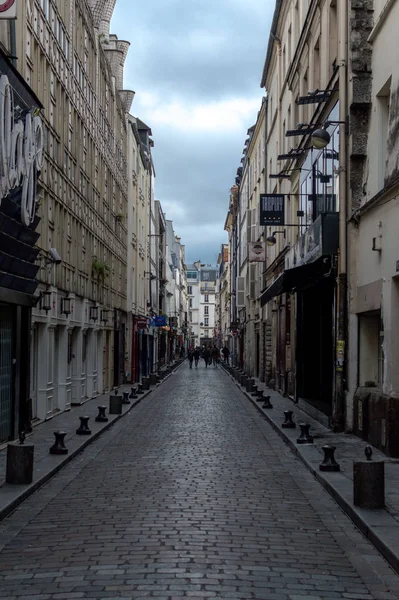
[{"x": 201, "y": 282}]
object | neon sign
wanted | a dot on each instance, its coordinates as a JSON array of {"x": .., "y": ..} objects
[{"x": 21, "y": 152}]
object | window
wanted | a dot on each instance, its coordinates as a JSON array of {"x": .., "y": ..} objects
[
  {"x": 189, "y": 290},
  {"x": 206, "y": 321},
  {"x": 371, "y": 354},
  {"x": 383, "y": 99},
  {"x": 206, "y": 298},
  {"x": 191, "y": 274},
  {"x": 190, "y": 303},
  {"x": 206, "y": 310}
]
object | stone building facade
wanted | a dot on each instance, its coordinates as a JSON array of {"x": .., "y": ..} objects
[
  {"x": 75, "y": 67},
  {"x": 373, "y": 376}
]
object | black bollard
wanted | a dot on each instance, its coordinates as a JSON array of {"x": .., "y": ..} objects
[
  {"x": 140, "y": 389},
  {"x": 255, "y": 391},
  {"x": 133, "y": 394},
  {"x": 116, "y": 391},
  {"x": 249, "y": 385},
  {"x": 305, "y": 437},
  {"x": 329, "y": 463},
  {"x": 125, "y": 399},
  {"x": 83, "y": 429},
  {"x": 260, "y": 397},
  {"x": 267, "y": 403},
  {"x": 19, "y": 466},
  {"x": 59, "y": 446},
  {"x": 288, "y": 423},
  {"x": 101, "y": 418}
]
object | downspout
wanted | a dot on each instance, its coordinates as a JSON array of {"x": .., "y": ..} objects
[
  {"x": 342, "y": 300},
  {"x": 266, "y": 171}
]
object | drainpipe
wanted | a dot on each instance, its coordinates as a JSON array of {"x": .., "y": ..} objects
[
  {"x": 13, "y": 42},
  {"x": 342, "y": 291}
]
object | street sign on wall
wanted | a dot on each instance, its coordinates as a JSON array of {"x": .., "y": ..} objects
[
  {"x": 271, "y": 209},
  {"x": 8, "y": 9}
]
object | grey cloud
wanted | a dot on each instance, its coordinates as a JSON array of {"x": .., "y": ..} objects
[
  {"x": 167, "y": 50},
  {"x": 194, "y": 51}
]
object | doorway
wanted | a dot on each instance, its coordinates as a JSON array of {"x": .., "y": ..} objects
[{"x": 6, "y": 371}]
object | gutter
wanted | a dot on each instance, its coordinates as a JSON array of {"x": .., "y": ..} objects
[{"x": 272, "y": 39}]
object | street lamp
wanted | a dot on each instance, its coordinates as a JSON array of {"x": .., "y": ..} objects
[
  {"x": 320, "y": 138},
  {"x": 271, "y": 239}
]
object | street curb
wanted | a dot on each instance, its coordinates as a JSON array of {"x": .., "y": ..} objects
[
  {"x": 7, "y": 510},
  {"x": 382, "y": 546}
]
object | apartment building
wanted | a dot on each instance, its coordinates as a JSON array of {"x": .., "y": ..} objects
[
  {"x": 223, "y": 296},
  {"x": 75, "y": 67},
  {"x": 202, "y": 288},
  {"x": 20, "y": 257},
  {"x": 373, "y": 214}
]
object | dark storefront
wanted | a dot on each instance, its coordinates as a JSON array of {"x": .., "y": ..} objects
[
  {"x": 21, "y": 156},
  {"x": 310, "y": 280},
  {"x": 119, "y": 347}
]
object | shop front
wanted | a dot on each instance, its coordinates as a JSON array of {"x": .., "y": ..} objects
[
  {"x": 21, "y": 156},
  {"x": 309, "y": 283}
]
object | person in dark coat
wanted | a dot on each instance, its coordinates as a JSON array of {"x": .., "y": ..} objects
[
  {"x": 196, "y": 355},
  {"x": 206, "y": 355},
  {"x": 190, "y": 356},
  {"x": 226, "y": 354},
  {"x": 215, "y": 356}
]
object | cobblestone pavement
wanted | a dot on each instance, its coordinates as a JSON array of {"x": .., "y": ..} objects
[{"x": 190, "y": 495}]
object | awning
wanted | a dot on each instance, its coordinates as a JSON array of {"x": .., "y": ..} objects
[
  {"x": 275, "y": 289},
  {"x": 298, "y": 278}
]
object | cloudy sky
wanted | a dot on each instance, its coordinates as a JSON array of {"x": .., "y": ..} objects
[{"x": 195, "y": 66}]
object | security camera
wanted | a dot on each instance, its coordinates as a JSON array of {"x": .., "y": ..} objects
[{"x": 55, "y": 257}]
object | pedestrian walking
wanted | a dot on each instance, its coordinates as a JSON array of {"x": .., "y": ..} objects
[
  {"x": 190, "y": 356},
  {"x": 215, "y": 356},
  {"x": 196, "y": 355},
  {"x": 206, "y": 355},
  {"x": 226, "y": 354}
]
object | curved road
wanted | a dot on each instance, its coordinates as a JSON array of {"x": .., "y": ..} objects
[{"x": 191, "y": 495}]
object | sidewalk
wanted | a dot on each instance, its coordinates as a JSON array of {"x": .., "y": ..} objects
[
  {"x": 380, "y": 526},
  {"x": 45, "y": 464}
]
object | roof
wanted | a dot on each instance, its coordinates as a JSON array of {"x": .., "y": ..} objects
[
  {"x": 269, "y": 53},
  {"x": 141, "y": 126}
]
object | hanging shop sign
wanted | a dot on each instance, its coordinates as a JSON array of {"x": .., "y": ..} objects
[
  {"x": 256, "y": 251},
  {"x": 271, "y": 209},
  {"x": 159, "y": 321},
  {"x": 21, "y": 149},
  {"x": 8, "y": 9},
  {"x": 141, "y": 323}
]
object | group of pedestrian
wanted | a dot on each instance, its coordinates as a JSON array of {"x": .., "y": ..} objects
[{"x": 210, "y": 354}]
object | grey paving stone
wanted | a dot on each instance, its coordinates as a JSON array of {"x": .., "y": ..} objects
[{"x": 188, "y": 498}]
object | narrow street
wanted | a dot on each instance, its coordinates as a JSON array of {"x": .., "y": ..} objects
[{"x": 190, "y": 495}]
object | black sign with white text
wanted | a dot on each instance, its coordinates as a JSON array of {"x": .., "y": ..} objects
[{"x": 271, "y": 209}]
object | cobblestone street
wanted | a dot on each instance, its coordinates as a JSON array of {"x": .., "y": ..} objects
[{"x": 191, "y": 495}]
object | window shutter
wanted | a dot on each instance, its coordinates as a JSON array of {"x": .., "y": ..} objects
[
  {"x": 240, "y": 294},
  {"x": 254, "y": 225},
  {"x": 252, "y": 281},
  {"x": 249, "y": 226}
]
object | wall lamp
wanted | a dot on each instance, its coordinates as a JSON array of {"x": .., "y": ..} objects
[
  {"x": 104, "y": 315},
  {"x": 66, "y": 305},
  {"x": 44, "y": 300},
  {"x": 271, "y": 239},
  {"x": 93, "y": 313},
  {"x": 320, "y": 138},
  {"x": 152, "y": 276}
]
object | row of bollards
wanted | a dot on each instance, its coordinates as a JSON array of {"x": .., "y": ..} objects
[
  {"x": 368, "y": 476},
  {"x": 19, "y": 467}
]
